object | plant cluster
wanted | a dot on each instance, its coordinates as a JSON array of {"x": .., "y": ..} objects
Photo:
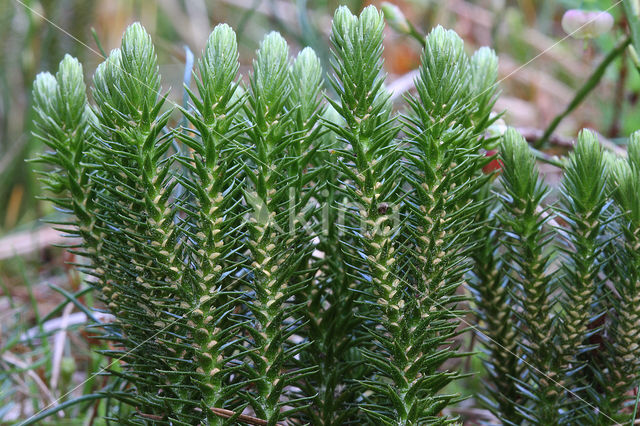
[
  {"x": 553, "y": 286},
  {"x": 282, "y": 255}
]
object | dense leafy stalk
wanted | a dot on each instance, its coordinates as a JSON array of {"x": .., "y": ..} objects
[
  {"x": 140, "y": 241},
  {"x": 328, "y": 310},
  {"x": 332, "y": 303},
  {"x": 278, "y": 245},
  {"x": 310, "y": 192},
  {"x": 495, "y": 310},
  {"x": 369, "y": 173},
  {"x": 211, "y": 209},
  {"x": 62, "y": 122},
  {"x": 488, "y": 281},
  {"x": 583, "y": 204},
  {"x": 530, "y": 280},
  {"x": 623, "y": 372},
  {"x": 443, "y": 174}
]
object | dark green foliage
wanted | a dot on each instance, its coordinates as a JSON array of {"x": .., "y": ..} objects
[
  {"x": 569, "y": 365},
  {"x": 279, "y": 247},
  {"x": 63, "y": 123},
  {"x": 495, "y": 310},
  {"x": 443, "y": 172},
  {"x": 139, "y": 234},
  {"x": 623, "y": 372},
  {"x": 582, "y": 207},
  {"x": 529, "y": 279},
  {"x": 212, "y": 186},
  {"x": 367, "y": 163}
]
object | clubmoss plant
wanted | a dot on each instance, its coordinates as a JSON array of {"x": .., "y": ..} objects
[
  {"x": 622, "y": 371},
  {"x": 367, "y": 162},
  {"x": 530, "y": 281},
  {"x": 202, "y": 237},
  {"x": 209, "y": 203},
  {"x": 140, "y": 236},
  {"x": 62, "y": 121},
  {"x": 445, "y": 134},
  {"x": 582, "y": 207},
  {"x": 495, "y": 312},
  {"x": 570, "y": 368},
  {"x": 280, "y": 257},
  {"x": 279, "y": 248}
]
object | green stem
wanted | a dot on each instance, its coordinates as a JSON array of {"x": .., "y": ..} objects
[
  {"x": 582, "y": 93},
  {"x": 417, "y": 35},
  {"x": 631, "y": 8}
]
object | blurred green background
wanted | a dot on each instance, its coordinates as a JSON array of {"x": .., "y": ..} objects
[{"x": 541, "y": 70}]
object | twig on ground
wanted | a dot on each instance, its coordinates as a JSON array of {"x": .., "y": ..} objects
[
  {"x": 532, "y": 135},
  {"x": 242, "y": 417}
]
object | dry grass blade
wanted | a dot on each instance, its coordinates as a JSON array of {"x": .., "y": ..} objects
[
  {"x": 58, "y": 346},
  {"x": 12, "y": 359}
]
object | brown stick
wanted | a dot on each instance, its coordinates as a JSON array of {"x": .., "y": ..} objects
[
  {"x": 221, "y": 412},
  {"x": 242, "y": 417},
  {"x": 149, "y": 416}
]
